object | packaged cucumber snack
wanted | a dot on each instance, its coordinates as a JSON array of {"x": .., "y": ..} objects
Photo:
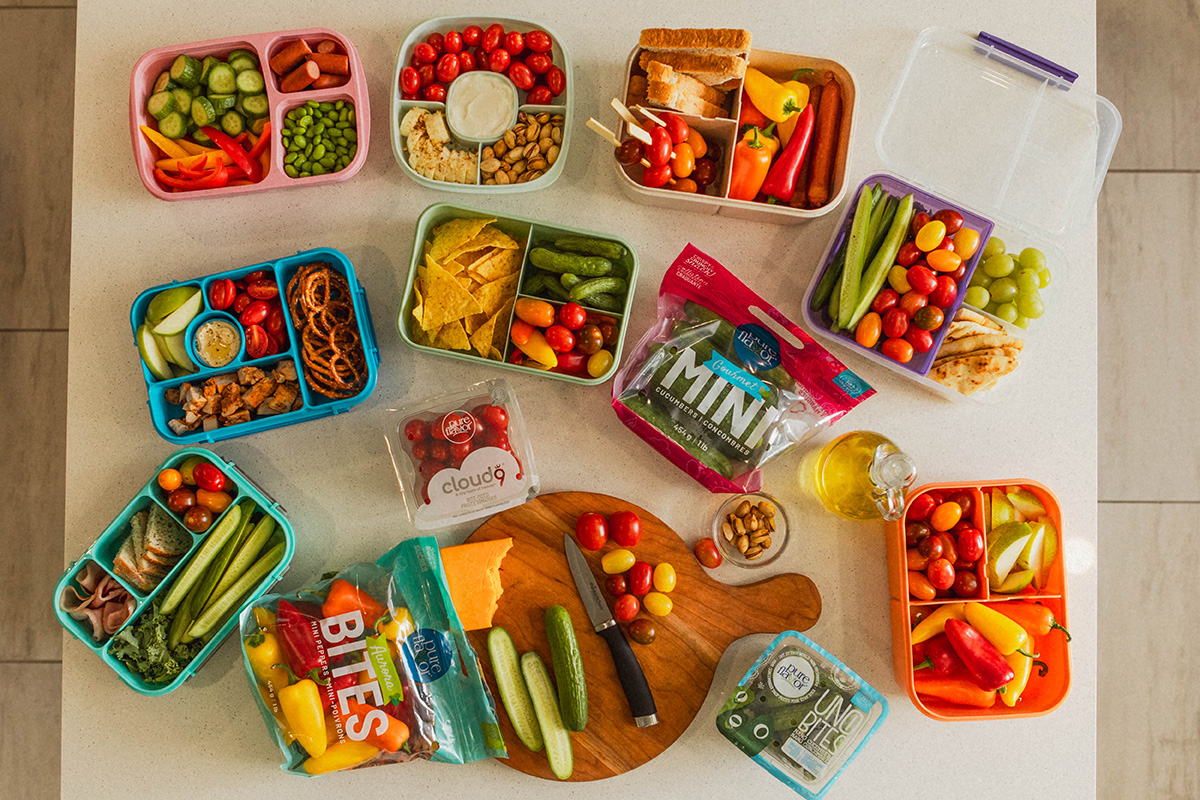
[
  {"x": 713, "y": 389},
  {"x": 801, "y": 714}
]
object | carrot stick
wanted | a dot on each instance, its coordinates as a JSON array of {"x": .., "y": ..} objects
[
  {"x": 331, "y": 63},
  {"x": 827, "y": 131},
  {"x": 800, "y": 199},
  {"x": 300, "y": 77},
  {"x": 290, "y": 56}
]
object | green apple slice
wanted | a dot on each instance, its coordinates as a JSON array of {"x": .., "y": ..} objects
[
  {"x": 1004, "y": 548},
  {"x": 1027, "y": 503},
  {"x": 1002, "y": 510},
  {"x": 175, "y": 349},
  {"x": 153, "y": 357},
  {"x": 1015, "y": 582},
  {"x": 178, "y": 320},
  {"x": 1049, "y": 553},
  {"x": 163, "y": 304}
]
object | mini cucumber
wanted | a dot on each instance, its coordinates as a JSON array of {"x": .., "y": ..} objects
[
  {"x": 585, "y": 266},
  {"x": 545, "y": 705},
  {"x": 513, "y": 693},
  {"x": 591, "y": 247},
  {"x": 605, "y": 302},
  {"x": 582, "y": 291},
  {"x": 185, "y": 71},
  {"x": 230, "y": 524},
  {"x": 250, "y": 81},
  {"x": 568, "y": 668}
]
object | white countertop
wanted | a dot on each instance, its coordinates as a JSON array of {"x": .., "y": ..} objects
[{"x": 333, "y": 476}]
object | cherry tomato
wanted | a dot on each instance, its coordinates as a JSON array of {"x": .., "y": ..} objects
[
  {"x": 170, "y": 479},
  {"x": 535, "y": 312},
  {"x": 556, "y": 81},
  {"x": 930, "y": 235},
  {"x": 275, "y": 323},
  {"x": 427, "y": 75},
  {"x": 626, "y": 528},
  {"x": 685, "y": 185},
  {"x": 658, "y": 152},
  {"x": 868, "y": 330},
  {"x": 966, "y": 242},
  {"x": 539, "y": 96},
  {"x": 919, "y": 586},
  {"x": 436, "y": 429},
  {"x": 616, "y": 584},
  {"x": 428, "y": 468},
  {"x": 471, "y": 35},
  {"x": 949, "y": 545},
  {"x": 589, "y": 339},
  {"x": 658, "y": 604},
  {"x": 514, "y": 43},
  {"x": 970, "y": 544},
  {"x": 181, "y": 500},
  {"x": 257, "y": 341},
  {"x": 951, "y": 219},
  {"x": 930, "y": 547},
  {"x": 908, "y": 255},
  {"x": 495, "y": 438},
  {"x": 919, "y": 338},
  {"x": 966, "y": 584},
  {"x": 466, "y": 62},
  {"x": 616, "y": 561},
  {"x": 263, "y": 289},
  {"x": 539, "y": 41},
  {"x": 197, "y": 519},
  {"x": 416, "y": 430},
  {"x": 945, "y": 516},
  {"x": 958, "y": 274},
  {"x": 705, "y": 173},
  {"x": 898, "y": 350},
  {"x": 591, "y": 530},
  {"x": 221, "y": 293},
  {"x": 209, "y": 477},
  {"x": 572, "y": 316},
  {"x": 538, "y": 63},
  {"x": 654, "y": 177},
  {"x": 499, "y": 60},
  {"x": 437, "y": 41},
  {"x": 914, "y": 532},
  {"x": 895, "y": 322},
  {"x": 460, "y": 450},
  {"x": 560, "y": 339},
  {"x": 255, "y": 313},
  {"x": 683, "y": 162},
  {"x": 216, "y": 502},
  {"x": 919, "y": 220},
  {"x": 439, "y": 450},
  {"x": 496, "y": 418},
  {"x": 921, "y": 507},
  {"x": 626, "y": 607},
  {"x": 420, "y": 450},
  {"x": 912, "y": 302},
  {"x": 425, "y": 53},
  {"x": 886, "y": 299},
  {"x": 241, "y": 302},
  {"x": 641, "y": 577},
  {"x": 947, "y": 244},
  {"x": 665, "y": 578},
  {"x": 434, "y": 93},
  {"x": 940, "y": 573},
  {"x": 608, "y": 327},
  {"x": 599, "y": 363},
  {"x": 966, "y": 501},
  {"x": 447, "y": 68},
  {"x": 708, "y": 554},
  {"x": 642, "y": 631},
  {"x": 946, "y": 292},
  {"x": 677, "y": 128},
  {"x": 516, "y": 357},
  {"x": 492, "y": 37},
  {"x": 521, "y": 76},
  {"x": 452, "y": 42},
  {"x": 921, "y": 279},
  {"x": 944, "y": 260}
]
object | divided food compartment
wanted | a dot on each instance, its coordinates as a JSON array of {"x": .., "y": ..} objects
[
  {"x": 725, "y": 132},
  {"x": 563, "y": 104},
  {"x": 105, "y": 548},
  {"x": 316, "y": 405},
  {"x": 264, "y": 46},
  {"x": 528, "y": 232},
  {"x": 1043, "y": 694},
  {"x": 1028, "y": 156}
]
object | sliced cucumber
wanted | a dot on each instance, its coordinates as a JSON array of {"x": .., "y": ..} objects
[
  {"x": 206, "y": 66},
  {"x": 222, "y": 102},
  {"x": 163, "y": 82},
  {"x": 236, "y": 55},
  {"x": 173, "y": 125},
  {"x": 185, "y": 71},
  {"x": 228, "y": 526},
  {"x": 545, "y": 705},
  {"x": 160, "y": 104},
  {"x": 222, "y": 79},
  {"x": 250, "y": 81},
  {"x": 242, "y": 63},
  {"x": 237, "y": 106},
  {"x": 255, "y": 105},
  {"x": 568, "y": 668},
  {"x": 203, "y": 112},
  {"x": 513, "y": 694},
  {"x": 233, "y": 123}
]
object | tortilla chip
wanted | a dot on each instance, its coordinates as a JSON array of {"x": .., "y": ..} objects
[
  {"x": 474, "y": 322},
  {"x": 481, "y": 339},
  {"x": 979, "y": 341},
  {"x": 970, "y": 374},
  {"x": 453, "y": 337},
  {"x": 418, "y": 310},
  {"x": 446, "y": 300},
  {"x": 496, "y": 355},
  {"x": 449, "y": 237},
  {"x": 489, "y": 236},
  {"x": 967, "y": 315},
  {"x": 503, "y": 319},
  {"x": 499, "y": 264},
  {"x": 492, "y": 296}
]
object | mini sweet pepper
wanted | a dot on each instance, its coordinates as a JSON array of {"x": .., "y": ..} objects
[
  {"x": 751, "y": 162},
  {"x": 935, "y": 623},
  {"x": 998, "y": 629},
  {"x": 343, "y": 755},
  {"x": 776, "y": 101},
  {"x": 301, "y": 704},
  {"x": 344, "y": 598}
]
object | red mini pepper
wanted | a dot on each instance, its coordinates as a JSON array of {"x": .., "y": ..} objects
[
  {"x": 985, "y": 663},
  {"x": 781, "y": 180},
  {"x": 940, "y": 657},
  {"x": 235, "y": 151},
  {"x": 749, "y": 115},
  {"x": 304, "y": 653}
]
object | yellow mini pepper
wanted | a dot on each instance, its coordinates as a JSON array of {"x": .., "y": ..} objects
[
  {"x": 776, "y": 102},
  {"x": 788, "y": 126},
  {"x": 342, "y": 755},
  {"x": 935, "y": 623},
  {"x": 398, "y": 627},
  {"x": 1022, "y": 666},
  {"x": 301, "y": 704},
  {"x": 1006, "y": 635},
  {"x": 265, "y": 619},
  {"x": 271, "y": 701},
  {"x": 266, "y": 657}
]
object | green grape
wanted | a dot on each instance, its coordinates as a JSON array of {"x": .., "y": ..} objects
[
  {"x": 1027, "y": 281},
  {"x": 991, "y": 307},
  {"x": 1003, "y": 290},
  {"x": 1007, "y": 312},
  {"x": 1030, "y": 305},
  {"x": 999, "y": 266},
  {"x": 978, "y": 296},
  {"x": 1022, "y": 322},
  {"x": 994, "y": 247},
  {"x": 1043, "y": 277},
  {"x": 1032, "y": 258},
  {"x": 981, "y": 278}
]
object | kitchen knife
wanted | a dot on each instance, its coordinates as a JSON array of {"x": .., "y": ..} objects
[{"x": 633, "y": 680}]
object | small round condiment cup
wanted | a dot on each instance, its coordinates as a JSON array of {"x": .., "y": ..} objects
[
  {"x": 451, "y": 93},
  {"x": 779, "y": 537}
]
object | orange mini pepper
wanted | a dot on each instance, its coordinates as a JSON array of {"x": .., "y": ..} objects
[
  {"x": 344, "y": 598},
  {"x": 960, "y": 691},
  {"x": 393, "y": 736},
  {"x": 751, "y": 163},
  {"x": 1033, "y": 617}
]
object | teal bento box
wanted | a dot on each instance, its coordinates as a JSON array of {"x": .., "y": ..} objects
[{"x": 99, "y": 561}]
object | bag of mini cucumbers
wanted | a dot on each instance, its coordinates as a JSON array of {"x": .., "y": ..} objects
[
  {"x": 801, "y": 714},
  {"x": 366, "y": 668},
  {"x": 715, "y": 390}
]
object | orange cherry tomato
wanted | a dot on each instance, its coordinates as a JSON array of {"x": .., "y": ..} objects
[
  {"x": 868, "y": 330},
  {"x": 945, "y": 516},
  {"x": 966, "y": 242},
  {"x": 538, "y": 313},
  {"x": 170, "y": 480},
  {"x": 898, "y": 350},
  {"x": 944, "y": 260},
  {"x": 920, "y": 587},
  {"x": 520, "y": 331},
  {"x": 216, "y": 502},
  {"x": 683, "y": 161},
  {"x": 697, "y": 143}
]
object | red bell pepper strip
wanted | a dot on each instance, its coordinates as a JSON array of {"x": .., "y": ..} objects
[
  {"x": 241, "y": 137},
  {"x": 215, "y": 180},
  {"x": 304, "y": 653},
  {"x": 235, "y": 151},
  {"x": 344, "y": 598},
  {"x": 781, "y": 180},
  {"x": 940, "y": 657},
  {"x": 263, "y": 140},
  {"x": 961, "y": 691},
  {"x": 193, "y": 167},
  {"x": 985, "y": 663}
]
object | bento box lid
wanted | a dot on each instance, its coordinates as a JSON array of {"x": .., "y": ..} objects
[{"x": 1003, "y": 130}]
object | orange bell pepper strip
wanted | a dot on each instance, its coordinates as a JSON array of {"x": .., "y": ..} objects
[
  {"x": 344, "y": 598},
  {"x": 1033, "y": 617},
  {"x": 751, "y": 162},
  {"x": 392, "y": 738},
  {"x": 960, "y": 691},
  {"x": 210, "y": 161}
]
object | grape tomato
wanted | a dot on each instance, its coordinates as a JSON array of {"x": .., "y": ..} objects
[
  {"x": 589, "y": 339},
  {"x": 556, "y": 81},
  {"x": 197, "y": 519},
  {"x": 658, "y": 604},
  {"x": 591, "y": 530},
  {"x": 708, "y": 554},
  {"x": 920, "y": 339},
  {"x": 642, "y": 631},
  {"x": 626, "y": 607},
  {"x": 898, "y": 350},
  {"x": 170, "y": 479},
  {"x": 616, "y": 561},
  {"x": 895, "y": 322},
  {"x": 560, "y": 339},
  {"x": 930, "y": 236},
  {"x": 208, "y": 477},
  {"x": 640, "y": 577},
  {"x": 628, "y": 152},
  {"x": 492, "y": 37},
  {"x": 919, "y": 586},
  {"x": 425, "y": 53},
  {"x": 538, "y": 63},
  {"x": 514, "y": 43},
  {"x": 886, "y": 299},
  {"x": 664, "y": 578},
  {"x": 921, "y": 507},
  {"x": 625, "y": 528},
  {"x": 658, "y": 152},
  {"x": 499, "y": 60},
  {"x": 599, "y": 363},
  {"x": 452, "y": 42},
  {"x": 616, "y": 585},
  {"x": 951, "y": 219},
  {"x": 910, "y": 304},
  {"x": 467, "y": 62},
  {"x": 914, "y": 532},
  {"x": 471, "y": 35},
  {"x": 572, "y": 316},
  {"x": 539, "y": 41},
  {"x": 940, "y": 573}
]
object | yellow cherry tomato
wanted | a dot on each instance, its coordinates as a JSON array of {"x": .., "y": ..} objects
[
  {"x": 931, "y": 235},
  {"x": 664, "y": 578},
  {"x": 657, "y": 604},
  {"x": 945, "y": 516},
  {"x": 869, "y": 327},
  {"x": 186, "y": 468},
  {"x": 599, "y": 363},
  {"x": 170, "y": 480},
  {"x": 944, "y": 260},
  {"x": 966, "y": 242},
  {"x": 538, "y": 313},
  {"x": 898, "y": 279},
  {"x": 617, "y": 561}
]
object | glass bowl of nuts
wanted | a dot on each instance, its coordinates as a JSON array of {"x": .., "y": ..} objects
[{"x": 751, "y": 529}]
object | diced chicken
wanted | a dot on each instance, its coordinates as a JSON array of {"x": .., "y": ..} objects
[
  {"x": 299, "y": 404},
  {"x": 283, "y": 398},
  {"x": 191, "y": 419},
  {"x": 210, "y": 389},
  {"x": 231, "y": 399},
  {"x": 285, "y": 371},
  {"x": 193, "y": 399},
  {"x": 411, "y": 120},
  {"x": 173, "y": 396},
  {"x": 253, "y": 397},
  {"x": 210, "y": 424},
  {"x": 221, "y": 381},
  {"x": 248, "y": 376},
  {"x": 212, "y": 406},
  {"x": 238, "y": 417},
  {"x": 177, "y": 427}
]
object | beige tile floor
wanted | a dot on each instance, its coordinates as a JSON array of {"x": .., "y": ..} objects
[{"x": 1149, "y": 711}]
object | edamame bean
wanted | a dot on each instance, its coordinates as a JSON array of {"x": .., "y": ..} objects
[{"x": 291, "y": 171}]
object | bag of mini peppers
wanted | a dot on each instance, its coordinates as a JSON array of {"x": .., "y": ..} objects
[
  {"x": 462, "y": 456},
  {"x": 365, "y": 669},
  {"x": 713, "y": 389}
]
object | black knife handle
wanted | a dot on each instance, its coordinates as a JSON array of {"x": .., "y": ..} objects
[{"x": 633, "y": 680}]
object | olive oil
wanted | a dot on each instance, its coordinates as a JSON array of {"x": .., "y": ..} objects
[{"x": 861, "y": 475}]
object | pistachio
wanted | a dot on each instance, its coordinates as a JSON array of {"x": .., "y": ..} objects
[
  {"x": 542, "y": 118},
  {"x": 531, "y": 131},
  {"x": 490, "y": 182},
  {"x": 739, "y": 526},
  {"x": 766, "y": 543},
  {"x": 551, "y": 154},
  {"x": 510, "y": 138},
  {"x": 487, "y": 153},
  {"x": 502, "y": 178},
  {"x": 557, "y": 119},
  {"x": 499, "y": 148},
  {"x": 743, "y": 544},
  {"x": 752, "y": 522},
  {"x": 489, "y": 165},
  {"x": 743, "y": 508},
  {"x": 766, "y": 508},
  {"x": 531, "y": 150},
  {"x": 556, "y": 134},
  {"x": 519, "y": 166},
  {"x": 753, "y": 553},
  {"x": 538, "y": 163},
  {"x": 514, "y": 155}
]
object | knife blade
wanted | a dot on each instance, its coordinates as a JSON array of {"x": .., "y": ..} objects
[{"x": 629, "y": 670}]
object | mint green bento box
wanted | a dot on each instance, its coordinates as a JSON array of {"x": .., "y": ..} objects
[
  {"x": 529, "y": 233},
  {"x": 105, "y": 548}
]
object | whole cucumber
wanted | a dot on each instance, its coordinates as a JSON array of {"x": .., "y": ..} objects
[
  {"x": 569, "y": 280},
  {"x": 605, "y": 302},
  {"x": 828, "y": 280},
  {"x": 568, "y": 668},
  {"x": 554, "y": 261},
  {"x": 591, "y": 247}
]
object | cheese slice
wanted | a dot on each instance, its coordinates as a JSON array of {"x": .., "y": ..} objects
[{"x": 473, "y": 575}]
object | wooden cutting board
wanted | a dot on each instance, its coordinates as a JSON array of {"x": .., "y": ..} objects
[{"x": 679, "y": 664}]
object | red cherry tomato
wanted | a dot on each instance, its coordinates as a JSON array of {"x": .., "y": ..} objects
[
  {"x": 908, "y": 255},
  {"x": 951, "y": 219},
  {"x": 263, "y": 289},
  {"x": 919, "y": 220},
  {"x": 514, "y": 43},
  {"x": 572, "y": 316},
  {"x": 921, "y": 279},
  {"x": 257, "y": 275},
  {"x": 437, "y": 41},
  {"x": 958, "y": 274},
  {"x": 427, "y": 74},
  {"x": 241, "y": 301},
  {"x": 539, "y": 41},
  {"x": 521, "y": 76},
  {"x": 919, "y": 338},
  {"x": 654, "y": 177},
  {"x": 429, "y": 468},
  {"x": 895, "y": 323},
  {"x": 471, "y": 35},
  {"x": 626, "y": 528},
  {"x": 560, "y": 339},
  {"x": 499, "y": 60},
  {"x": 272, "y": 346},
  {"x": 898, "y": 350},
  {"x": 940, "y": 573},
  {"x": 616, "y": 584},
  {"x": 930, "y": 547},
  {"x": 410, "y": 81},
  {"x": 221, "y": 293},
  {"x": 460, "y": 450},
  {"x": 495, "y": 438},
  {"x": 257, "y": 341},
  {"x": 416, "y": 430},
  {"x": 591, "y": 530},
  {"x": 946, "y": 292},
  {"x": 626, "y": 607},
  {"x": 208, "y": 477},
  {"x": 573, "y": 362},
  {"x": 965, "y": 500},
  {"x": 447, "y": 67},
  {"x": 434, "y": 93},
  {"x": 556, "y": 80},
  {"x": 275, "y": 323},
  {"x": 466, "y": 62},
  {"x": 708, "y": 554},
  {"x": 676, "y": 127},
  {"x": 912, "y": 302},
  {"x": 539, "y": 63},
  {"x": 492, "y": 37},
  {"x": 947, "y": 244},
  {"x": 966, "y": 583},
  {"x": 970, "y": 544},
  {"x": 439, "y": 450},
  {"x": 425, "y": 53},
  {"x": 420, "y": 450},
  {"x": 641, "y": 577},
  {"x": 452, "y": 42},
  {"x": 539, "y": 96},
  {"x": 705, "y": 173},
  {"x": 659, "y": 150},
  {"x": 884, "y": 301},
  {"x": 921, "y": 507}
]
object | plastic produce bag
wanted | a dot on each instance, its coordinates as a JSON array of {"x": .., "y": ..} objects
[
  {"x": 366, "y": 668},
  {"x": 713, "y": 389}
]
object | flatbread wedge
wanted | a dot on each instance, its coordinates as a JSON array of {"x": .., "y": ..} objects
[
  {"x": 969, "y": 374},
  {"x": 969, "y": 344}
]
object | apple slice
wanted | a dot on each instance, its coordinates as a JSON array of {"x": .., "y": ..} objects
[
  {"x": 148, "y": 347},
  {"x": 1031, "y": 555},
  {"x": 163, "y": 304},
  {"x": 1015, "y": 582},
  {"x": 1049, "y": 553},
  {"x": 177, "y": 321},
  {"x": 1027, "y": 503},
  {"x": 176, "y": 351},
  {"x": 1004, "y": 548},
  {"x": 1002, "y": 510}
]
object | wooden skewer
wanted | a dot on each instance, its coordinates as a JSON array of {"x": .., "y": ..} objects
[
  {"x": 635, "y": 130},
  {"x": 648, "y": 115},
  {"x": 610, "y": 137}
]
